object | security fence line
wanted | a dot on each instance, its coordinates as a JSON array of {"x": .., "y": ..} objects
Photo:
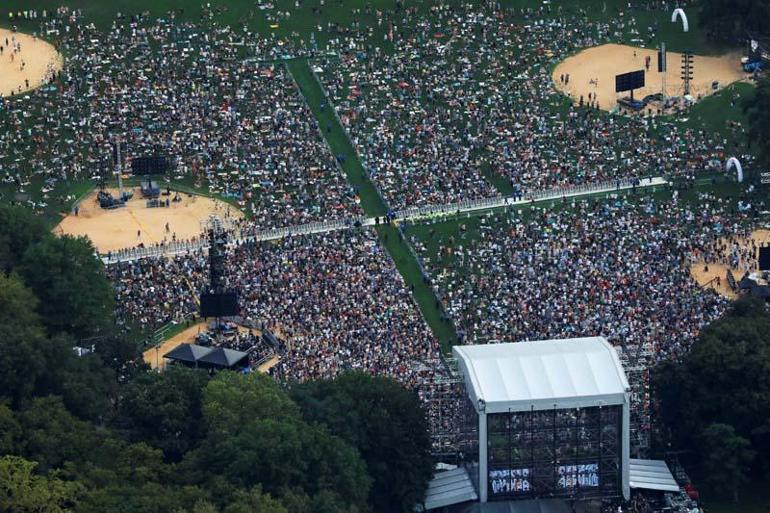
[{"x": 241, "y": 236}]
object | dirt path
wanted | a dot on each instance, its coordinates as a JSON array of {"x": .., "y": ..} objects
[
  {"x": 26, "y": 62},
  {"x": 593, "y": 71}
]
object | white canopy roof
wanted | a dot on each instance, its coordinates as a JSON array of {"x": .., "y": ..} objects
[
  {"x": 447, "y": 488},
  {"x": 652, "y": 475},
  {"x": 566, "y": 373}
]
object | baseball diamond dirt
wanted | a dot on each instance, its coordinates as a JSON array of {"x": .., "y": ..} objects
[
  {"x": 26, "y": 62},
  {"x": 135, "y": 223},
  {"x": 592, "y": 72}
]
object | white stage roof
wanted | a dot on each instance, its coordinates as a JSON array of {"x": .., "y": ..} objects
[
  {"x": 652, "y": 475},
  {"x": 566, "y": 373}
]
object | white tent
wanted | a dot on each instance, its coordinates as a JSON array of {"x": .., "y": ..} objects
[
  {"x": 543, "y": 375},
  {"x": 652, "y": 475},
  {"x": 571, "y": 373}
]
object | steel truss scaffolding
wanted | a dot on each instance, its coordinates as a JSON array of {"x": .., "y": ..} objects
[
  {"x": 440, "y": 387},
  {"x": 637, "y": 361},
  {"x": 555, "y": 453}
]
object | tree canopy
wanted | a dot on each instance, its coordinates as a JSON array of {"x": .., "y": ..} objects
[
  {"x": 734, "y": 20},
  {"x": 722, "y": 389},
  {"x": 385, "y": 422},
  {"x": 757, "y": 108},
  {"x": 101, "y": 433}
]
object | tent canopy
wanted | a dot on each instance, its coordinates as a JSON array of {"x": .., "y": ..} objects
[
  {"x": 652, "y": 475},
  {"x": 565, "y": 373},
  {"x": 447, "y": 488}
]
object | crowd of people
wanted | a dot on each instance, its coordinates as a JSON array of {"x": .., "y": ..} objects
[
  {"x": 615, "y": 269},
  {"x": 463, "y": 107},
  {"x": 199, "y": 93},
  {"x": 152, "y": 292},
  {"x": 466, "y": 100},
  {"x": 336, "y": 300}
]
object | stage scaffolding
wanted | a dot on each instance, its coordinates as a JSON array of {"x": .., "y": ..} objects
[
  {"x": 571, "y": 453},
  {"x": 441, "y": 390},
  {"x": 636, "y": 361}
]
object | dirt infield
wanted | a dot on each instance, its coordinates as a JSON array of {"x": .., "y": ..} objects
[
  {"x": 708, "y": 278},
  {"x": 135, "y": 223},
  {"x": 593, "y": 71},
  {"x": 26, "y": 62}
]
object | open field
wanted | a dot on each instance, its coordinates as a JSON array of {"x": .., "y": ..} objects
[
  {"x": 136, "y": 224},
  {"x": 26, "y": 62},
  {"x": 592, "y": 71}
]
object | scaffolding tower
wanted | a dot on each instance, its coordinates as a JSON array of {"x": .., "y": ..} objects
[
  {"x": 440, "y": 388},
  {"x": 636, "y": 361}
]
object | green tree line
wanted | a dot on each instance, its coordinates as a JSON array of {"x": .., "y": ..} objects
[
  {"x": 715, "y": 404},
  {"x": 102, "y": 433}
]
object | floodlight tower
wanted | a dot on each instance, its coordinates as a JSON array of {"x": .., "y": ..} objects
[{"x": 687, "y": 65}]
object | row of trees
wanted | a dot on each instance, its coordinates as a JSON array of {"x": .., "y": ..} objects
[
  {"x": 733, "y": 20},
  {"x": 716, "y": 402},
  {"x": 100, "y": 433}
]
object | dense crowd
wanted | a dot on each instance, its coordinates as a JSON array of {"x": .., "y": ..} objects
[
  {"x": 336, "y": 299},
  {"x": 198, "y": 93},
  {"x": 154, "y": 291},
  {"x": 464, "y": 107},
  {"x": 466, "y": 99},
  {"x": 619, "y": 270}
]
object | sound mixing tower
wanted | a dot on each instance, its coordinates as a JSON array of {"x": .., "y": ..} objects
[{"x": 216, "y": 299}]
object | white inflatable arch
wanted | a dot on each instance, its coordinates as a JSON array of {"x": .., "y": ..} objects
[
  {"x": 680, "y": 13},
  {"x": 732, "y": 162}
]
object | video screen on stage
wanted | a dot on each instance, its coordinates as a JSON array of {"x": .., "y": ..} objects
[
  {"x": 554, "y": 453},
  {"x": 219, "y": 305},
  {"x": 629, "y": 81}
]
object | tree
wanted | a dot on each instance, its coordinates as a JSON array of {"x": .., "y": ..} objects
[
  {"x": 388, "y": 426},
  {"x": 10, "y": 432},
  {"x": 730, "y": 20},
  {"x": 256, "y": 436},
  {"x": 22, "y": 491},
  {"x": 726, "y": 459},
  {"x": 164, "y": 410},
  {"x": 232, "y": 400},
  {"x": 724, "y": 379},
  {"x": 21, "y": 334},
  {"x": 69, "y": 280},
  {"x": 757, "y": 107},
  {"x": 19, "y": 229},
  {"x": 254, "y": 501}
]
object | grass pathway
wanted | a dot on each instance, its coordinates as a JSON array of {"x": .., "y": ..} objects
[{"x": 372, "y": 203}]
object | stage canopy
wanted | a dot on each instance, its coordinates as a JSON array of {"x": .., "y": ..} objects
[
  {"x": 195, "y": 355},
  {"x": 548, "y": 374},
  {"x": 447, "y": 488},
  {"x": 652, "y": 475}
]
